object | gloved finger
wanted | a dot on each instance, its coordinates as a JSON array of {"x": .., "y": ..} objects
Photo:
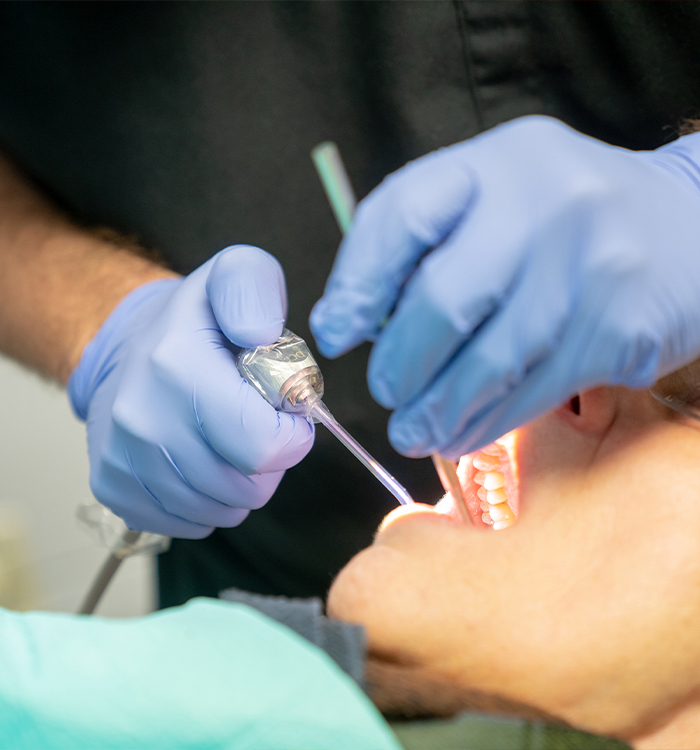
[
  {"x": 180, "y": 500},
  {"x": 614, "y": 347},
  {"x": 241, "y": 426},
  {"x": 482, "y": 269},
  {"x": 131, "y": 500},
  {"x": 486, "y": 370},
  {"x": 454, "y": 290},
  {"x": 547, "y": 386},
  {"x": 206, "y": 472},
  {"x": 411, "y": 212},
  {"x": 231, "y": 417},
  {"x": 540, "y": 392},
  {"x": 248, "y": 295},
  {"x": 159, "y": 473}
]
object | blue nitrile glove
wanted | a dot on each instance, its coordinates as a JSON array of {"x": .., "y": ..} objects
[
  {"x": 178, "y": 442},
  {"x": 518, "y": 268},
  {"x": 208, "y": 675}
]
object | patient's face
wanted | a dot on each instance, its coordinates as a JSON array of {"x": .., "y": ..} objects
[{"x": 589, "y": 607}]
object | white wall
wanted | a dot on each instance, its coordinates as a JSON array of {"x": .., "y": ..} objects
[{"x": 43, "y": 478}]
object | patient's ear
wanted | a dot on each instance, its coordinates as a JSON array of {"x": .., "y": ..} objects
[{"x": 591, "y": 411}]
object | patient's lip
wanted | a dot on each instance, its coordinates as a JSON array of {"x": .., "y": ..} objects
[{"x": 405, "y": 510}]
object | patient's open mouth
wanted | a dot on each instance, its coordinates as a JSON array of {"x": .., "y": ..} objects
[{"x": 490, "y": 486}]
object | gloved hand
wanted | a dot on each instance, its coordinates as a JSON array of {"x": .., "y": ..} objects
[
  {"x": 518, "y": 268},
  {"x": 178, "y": 442},
  {"x": 206, "y": 675}
]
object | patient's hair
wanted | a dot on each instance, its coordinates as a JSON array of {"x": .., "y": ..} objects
[{"x": 689, "y": 125}]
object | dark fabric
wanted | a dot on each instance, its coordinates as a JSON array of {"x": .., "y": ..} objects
[
  {"x": 346, "y": 644},
  {"x": 482, "y": 732},
  {"x": 189, "y": 126}
]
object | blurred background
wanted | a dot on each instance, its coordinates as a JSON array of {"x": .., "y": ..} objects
[{"x": 48, "y": 560}]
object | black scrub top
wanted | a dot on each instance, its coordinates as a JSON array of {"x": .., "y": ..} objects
[{"x": 188, "y": 125}]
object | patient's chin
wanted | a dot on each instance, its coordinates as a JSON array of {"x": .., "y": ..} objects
[
  {"x": 371, "y": 591},
  {"x": 348, "y": 598}
]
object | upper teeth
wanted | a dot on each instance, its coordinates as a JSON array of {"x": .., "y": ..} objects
[
  {"x": 492, "y": 490},
  {"x": 496, "y": 497},
  {"x": 494, "y": 480},
  {"x": 501, "y": 513}
]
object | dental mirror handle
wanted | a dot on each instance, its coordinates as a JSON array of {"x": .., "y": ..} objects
[
  {"x": 447, "y": 471},
  {"x": 336, "y": 184}
]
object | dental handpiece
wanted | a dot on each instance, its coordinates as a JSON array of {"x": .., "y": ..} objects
[{"x": 286, "y": 375}]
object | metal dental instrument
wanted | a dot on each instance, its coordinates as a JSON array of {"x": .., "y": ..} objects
[
  {"x": 336, "y": 184},
  {"x": 106, "y": 573},
  {"x": 122, "y": 543},
  {"x": 447, "y": 471},
  {"x": 680, "y": 390},
  {"x": 287, "y": 376}
]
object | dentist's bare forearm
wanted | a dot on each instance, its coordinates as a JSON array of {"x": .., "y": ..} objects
[{"x": 58, "y": 282}]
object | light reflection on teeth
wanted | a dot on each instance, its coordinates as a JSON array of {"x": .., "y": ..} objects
[
  {"x": 501, "y": 513},
  {"x": 496, "y": 497},
  {"x": 493, "y": 480},
  {"x": 498, "y": 525}
]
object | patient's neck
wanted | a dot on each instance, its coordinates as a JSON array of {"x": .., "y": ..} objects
[
  {"x": 413, "y": 691},
  {"x": 682, "y": 732}
]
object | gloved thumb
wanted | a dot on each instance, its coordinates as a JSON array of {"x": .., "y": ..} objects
[{"x": 248, "y": 295}]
